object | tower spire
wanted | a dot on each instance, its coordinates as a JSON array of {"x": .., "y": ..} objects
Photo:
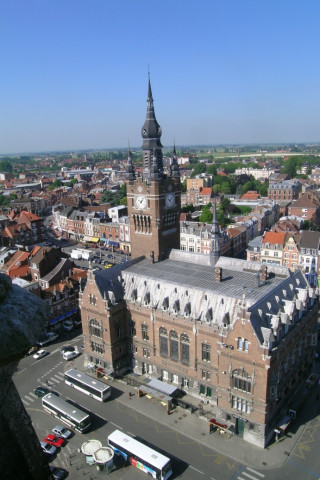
[{"x": 151, "y": 134}]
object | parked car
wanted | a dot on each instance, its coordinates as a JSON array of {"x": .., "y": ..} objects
[
  {"x": 67, "y": 325},
  {"x": 58, "y": 473},
  {"x": 70, "y": 355},
  {"x": 40, "y": 354},
  {"x": 41, "y": 391},
  {"x": 62, "y": 432},
  {"x": 48, "y": 449},
  {"x": 54, "y": 440},
  {"x": 67, "y": 348},
  {"x": 109, "y": 256},
  {"x": 50, "y": 337}
]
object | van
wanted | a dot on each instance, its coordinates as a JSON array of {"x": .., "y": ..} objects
[{"x": 70, "y": 355}]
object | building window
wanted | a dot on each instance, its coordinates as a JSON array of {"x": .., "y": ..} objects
[
  {"x": 144, "y": 331},
  {"x": 163, "y": 342},
  {"x": 95, "y": 328},
  {"x": 239, "y": 344},
  {"x": 205, "y": 375},
  {"x": 246, "y": 345},
  {"x": 241, "y": 405},
  {"x": 97, "y": 347},
  {"x": 241, "y": 381},
  {"x": 92, "y": 299},
  {"x": 206, "y": 352},
  {"x": 117, "y": 329},
  {"x": 133, "y": 328},
  {"x": 146, "y": 353},
  {"x": 202, "y": 389},
  {"x": 185, "y": 356},
  {"x": 175, "y": 378},
  {"x": 174, "y": 349},
  {"x": 165, "y": 375}
]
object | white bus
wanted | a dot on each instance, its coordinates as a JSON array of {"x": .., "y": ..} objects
[
  {"x": 86, "y": 384},
  {"x": 139, "y": 455},
  {"x": 67, "y": 413}
]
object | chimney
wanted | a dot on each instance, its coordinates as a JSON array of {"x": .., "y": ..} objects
[
  {"x": 264, "y": 273},
  {"x": 152, "y": 256},
  {"x": 218, "y": 274}
]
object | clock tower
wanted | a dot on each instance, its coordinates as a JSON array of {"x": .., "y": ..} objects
[{"x": 154, "y": 199}]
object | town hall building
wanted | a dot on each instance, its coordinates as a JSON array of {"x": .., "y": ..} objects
[{"x": 238, "y": 335}]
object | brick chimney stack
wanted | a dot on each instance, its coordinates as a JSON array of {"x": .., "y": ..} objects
[
  {"x": 264, "y": 273},
  {"x": 152, "y": 256},
  {"x": 218, "y": 274}
]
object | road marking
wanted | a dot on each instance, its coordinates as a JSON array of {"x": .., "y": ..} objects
[
  {"x": 28, "y": 398},
  {"x": 32, "y": 395},
  {"x": 59, "y": 378},
  {"x": 22, "y": 371},
  {"x": 52, "y": 379},
  {"x": 254, "y": 471},
  {"x": 196, "y": 469},
  {"x": 26, "y": 403},
  {"x": 117, "y": 426}
]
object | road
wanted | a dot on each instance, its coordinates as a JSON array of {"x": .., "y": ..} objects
[{"x": 190, "y": 459}]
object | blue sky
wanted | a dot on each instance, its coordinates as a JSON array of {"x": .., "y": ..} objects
[{"x": 73, "y": 74}]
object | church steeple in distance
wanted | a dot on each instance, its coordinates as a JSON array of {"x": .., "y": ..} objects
[
  {"x": 130, "y": 172},
  {"x": 151, "y": 146},
  {"x": 174, "y": 167},
  {"x": 215, "y": 238}
]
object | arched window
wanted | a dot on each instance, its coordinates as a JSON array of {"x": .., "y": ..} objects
[
  {"x": 185, "y": 355},
  {"x": 174, "y": 348},
  {"x": 95, "y": 328},
  {"x": 241, "y": 380},
  {"x": 163, "y": 334}
]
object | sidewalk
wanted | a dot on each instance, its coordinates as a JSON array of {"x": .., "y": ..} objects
[{"x": 196, "y": 427}]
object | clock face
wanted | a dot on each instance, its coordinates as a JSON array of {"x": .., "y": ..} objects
[
  {"x": 141, "y": 201},
  {"x": 170, "y": 200}
]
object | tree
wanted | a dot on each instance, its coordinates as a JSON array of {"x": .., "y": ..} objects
[
  {"x": 206, "y": 215},
  {"x": 198, "y": 169},
  {"x": 187, "y": 208},
  {"x": 55, "y": 184}
]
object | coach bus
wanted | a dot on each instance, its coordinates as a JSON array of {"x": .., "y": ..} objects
[
  {"x": 86, "y": 384},
  {"x": 66, "y": 412},
  {"x": 139, "y": 455}
]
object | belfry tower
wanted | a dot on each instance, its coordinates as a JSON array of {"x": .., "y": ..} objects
[{"x": 154, "y": 199}]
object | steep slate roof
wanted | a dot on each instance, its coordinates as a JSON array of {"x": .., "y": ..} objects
[{"x": 186, "y": 283}]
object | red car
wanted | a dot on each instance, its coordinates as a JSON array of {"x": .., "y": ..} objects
[{"x": 53, "y": 440}]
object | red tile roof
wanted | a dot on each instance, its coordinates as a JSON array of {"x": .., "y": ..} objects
[{"x": 274, "y": 238}]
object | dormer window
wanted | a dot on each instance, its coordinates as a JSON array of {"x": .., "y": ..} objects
[
  {"x": 176, "y": 306},
  {"x": 165, "y": 303}
]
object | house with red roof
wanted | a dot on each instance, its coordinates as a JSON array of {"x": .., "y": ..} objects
[{"x": 272, "y": 247}]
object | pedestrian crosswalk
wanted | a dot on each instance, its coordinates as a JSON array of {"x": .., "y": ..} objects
[
  {"x": 250, "y": 474},
  {"x": 45, "y": 381}
]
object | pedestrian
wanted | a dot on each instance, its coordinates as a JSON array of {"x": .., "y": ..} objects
[{"x": 47, "y": 383}]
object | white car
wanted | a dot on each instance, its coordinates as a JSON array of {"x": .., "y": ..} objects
[
  {"x": 49, "y": 449},
  {"x": 40, "y": 354},
  {"x": 62, "y": 432},
  {"x": 70, "y": 355}
]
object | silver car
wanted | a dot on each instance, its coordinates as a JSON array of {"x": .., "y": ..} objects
[
  {"x": 48, "y": 449},
  {"x": 61, "y": 432}
]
